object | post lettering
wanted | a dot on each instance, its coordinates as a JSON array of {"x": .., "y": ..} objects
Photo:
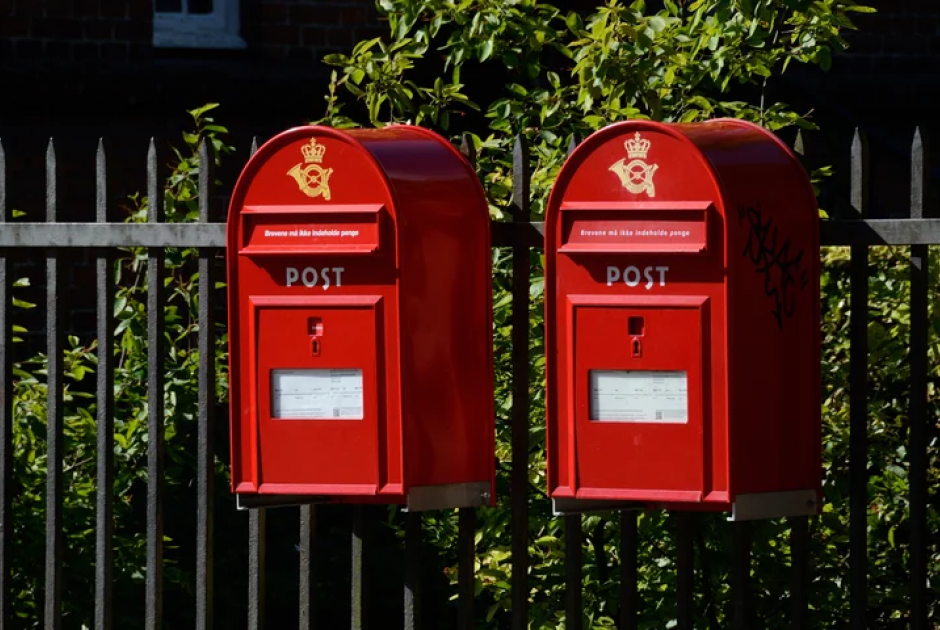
[
  {"x": 632, "y": 275},
  {"x": 613, "y": 274},
  {"x": 310, "y": 277},
  {"x": 662, "y": 275},
  {"x": 311, "y": 273}
]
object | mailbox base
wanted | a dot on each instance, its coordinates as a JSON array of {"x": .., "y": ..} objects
[
  {"x": 561, "y": 507},
  {"x": 445, "y": 496},
  {"x": 252, "y": 501},
  {"x": 418, "y": 499},
  {"x": 745, "y": 507},
  {"x": 752, "y": 507}
]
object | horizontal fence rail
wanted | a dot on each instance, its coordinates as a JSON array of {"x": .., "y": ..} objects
[
  {"x": 53, "y": 239},
  {"x": 21, "y": 234}
]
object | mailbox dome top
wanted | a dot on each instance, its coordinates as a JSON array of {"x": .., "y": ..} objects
[
  {"x": 317, "y": 165},
  {"x": 729, "y": 164}
]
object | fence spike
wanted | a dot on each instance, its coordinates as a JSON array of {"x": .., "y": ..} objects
[
  {"x": 573, "y": 143},
  {"x": 469, "y": 149},
  {"x": 54, "y": 412},
  {"x": 741, "y": 576},
  {"x": 466, "y": 557},
  {"x": 919, "y": 366},
  {"x": 573, "y": 567},
  {"x": 685, "y": 569},
  {"x": 205, "y": 438},
  {"x": 520, "y": 389},
  {"x": 257, "y": 532},
  {"x": 858, "y": 398},
  {"x": 629, "y": 543},
  {"x": 308, "y": 565},
  {"x": 412, "y": 604},
  {"x": 155, "y": 404},
  {"x": 104, "y": 492}
]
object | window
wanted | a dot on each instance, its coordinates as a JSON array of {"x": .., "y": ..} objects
[{"x": 196, "y": 24}]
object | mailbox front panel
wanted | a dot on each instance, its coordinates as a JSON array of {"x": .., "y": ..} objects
[
  {"x": 638, "y": 403},
  {"x": 319, "y": 374},
  {"x": 313, "y": 252}
]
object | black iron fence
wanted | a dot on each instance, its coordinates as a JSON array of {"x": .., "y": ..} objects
[{"x": 52, "y": 238}]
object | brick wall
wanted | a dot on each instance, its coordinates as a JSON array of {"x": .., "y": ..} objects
[
  {"x": 305, "y": 30},
  {"x": 113, "y": 31},
  {"x": 900, "y": 28}
]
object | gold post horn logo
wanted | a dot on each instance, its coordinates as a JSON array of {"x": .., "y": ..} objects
[
  {"x": 312, "y": 179},
  {"x": 636, "y": 175}
]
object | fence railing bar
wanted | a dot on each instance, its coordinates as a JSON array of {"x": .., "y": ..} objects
[
  {"x": 573, "y": 567},
  {"x": 799, "y": 573},
  {"x": 685, "y": 569},
  {"x": 412, "y": 571},
  {"x": 858, "y": 400},
  {"x": 629, "y": 542},
  {"x": 54, "y": 413},
  {"x": 359, "y": 616},
  {"x": 918, "y": 439},
  {"x": 308, "y": 564},
  {"x": 741, "y": 576},
  {"x": 155, "y": 406},
  {"x": 257, "y": 542},
  {"x": 104, "y": 492},
  {"x": 6, "y": 410},
  {"x": 205, "y": 438},
  {"x": 257, "y": 533},
  {"x": 467, "y": 517},
  {"x": 519, "y": 483},
  {"x": 504, "y": 234},
  {"x": 466, "y": 558},
  {"x": 84, "y": 235}
]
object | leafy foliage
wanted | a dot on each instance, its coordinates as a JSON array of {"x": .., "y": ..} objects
[{"x": 551, "y": 77}]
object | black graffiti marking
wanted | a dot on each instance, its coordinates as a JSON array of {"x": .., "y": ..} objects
[{"x": 784, "y": 273}]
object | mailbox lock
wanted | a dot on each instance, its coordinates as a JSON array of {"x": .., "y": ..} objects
[
  {"x": 315, "y": 330},
  {"x": 636, "y": 348}
]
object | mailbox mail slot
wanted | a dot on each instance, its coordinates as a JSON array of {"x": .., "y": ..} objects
[
  {"x": 682, "y": 323},
  {"x": 360, "y": 322}
]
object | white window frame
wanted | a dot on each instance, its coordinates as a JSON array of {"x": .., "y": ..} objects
[{"x": 218, "y": 29}]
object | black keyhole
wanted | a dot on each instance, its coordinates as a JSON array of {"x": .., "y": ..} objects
[
  {"x": 637, "y": 348},
  {"x": 315, "y": 347}
]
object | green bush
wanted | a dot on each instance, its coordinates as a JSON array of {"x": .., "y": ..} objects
[{"x": 551, "y": 77}]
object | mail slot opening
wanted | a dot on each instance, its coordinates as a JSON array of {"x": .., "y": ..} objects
[
  {"x": 336, "y": 229},
  {"x": 680, "y": 227},
  {"x": 317, "y": 394}
]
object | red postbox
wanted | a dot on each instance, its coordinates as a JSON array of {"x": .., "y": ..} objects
[
  {"x": 682, "y": 318},
  {"x": 360, "y": 322}
]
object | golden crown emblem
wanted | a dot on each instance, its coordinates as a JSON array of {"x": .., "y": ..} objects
[
  {"x": 637, "y": 147},
  {"x": 313, "y": 152}
]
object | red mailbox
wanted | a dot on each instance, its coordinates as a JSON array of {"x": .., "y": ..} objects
[
  {"x": 682, "y": 317},
  {"x": 360, "y": 322}
]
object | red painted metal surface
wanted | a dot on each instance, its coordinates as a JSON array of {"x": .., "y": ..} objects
[
  {"x": 359, "y": 317},
  {"x": 682, "y": 318}
]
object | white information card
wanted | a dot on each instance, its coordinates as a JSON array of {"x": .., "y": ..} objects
[
  {"x": 330, "y": 394},
  {"x": 639, "y": 396}
]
